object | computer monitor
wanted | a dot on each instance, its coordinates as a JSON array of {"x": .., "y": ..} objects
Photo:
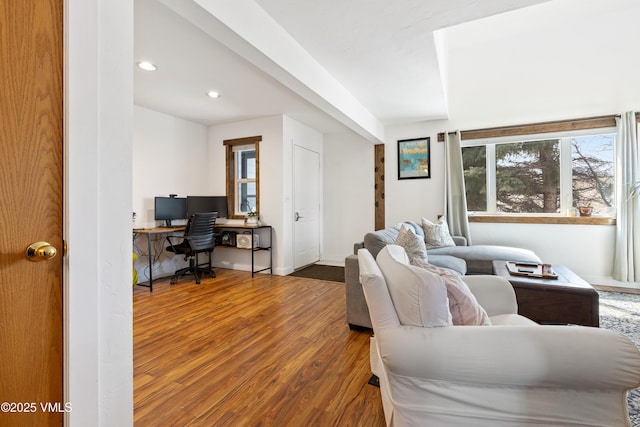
[
  {"x": 198, "y": 204},
  {"x": 170, "y": 208}
]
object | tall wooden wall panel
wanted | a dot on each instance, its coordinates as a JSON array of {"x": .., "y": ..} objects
[{"x": 379, "y": 186}]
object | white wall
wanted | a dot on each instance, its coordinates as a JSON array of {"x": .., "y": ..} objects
[
  {"x": 271, "y": 185},
  {"x": 413, "y": 199},
  {"x": 348, "y": 187},
  {"x": 170, "y": 156},
  {"x": 348, "y": 177},
  {"x": 98, "y": 133},
  {"x": 585, "y": 249},
  {"x": 556, "y": 60}
]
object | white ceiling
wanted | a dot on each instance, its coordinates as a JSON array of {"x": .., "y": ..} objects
[{"x": 383, "y": 53}]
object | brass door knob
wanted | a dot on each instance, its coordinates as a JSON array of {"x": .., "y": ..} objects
[{"x": 40, "y": 251}]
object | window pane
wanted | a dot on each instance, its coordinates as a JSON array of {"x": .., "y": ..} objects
[
  {"x": 246, "y": 192},
  {"x": 247, "y": 164},
  {"x": 246, "y": 177},
  {"x": 592, "y": 163},
  {"x": 474, "y": 162},
  {"x": 528, "y": 177},
  {"x": 242, "y": 180}
]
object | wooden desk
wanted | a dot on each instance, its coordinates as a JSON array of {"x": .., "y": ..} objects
[
  {"x": 264, "y": 246},
  {"x": 153, "y": 232}
]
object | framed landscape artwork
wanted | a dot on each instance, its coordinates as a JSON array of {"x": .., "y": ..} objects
[{"x": 414, "y": 158}]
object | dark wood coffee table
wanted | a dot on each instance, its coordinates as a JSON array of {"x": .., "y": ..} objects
[{"x": 565, "y": 300}]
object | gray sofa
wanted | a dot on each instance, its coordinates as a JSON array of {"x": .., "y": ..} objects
[{"x": 463, "y": 259}]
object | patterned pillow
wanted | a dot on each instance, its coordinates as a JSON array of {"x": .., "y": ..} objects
[
  {"x": 436, "y": 235},
  {"x": 412, "y": 244}
]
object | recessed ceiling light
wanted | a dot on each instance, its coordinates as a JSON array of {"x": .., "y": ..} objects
[
  {"x": 147, "y": 66},
  {"x": 213, "y": 94}
]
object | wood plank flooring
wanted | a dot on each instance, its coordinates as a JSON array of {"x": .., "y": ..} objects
[{"x": 242, "y": 351}]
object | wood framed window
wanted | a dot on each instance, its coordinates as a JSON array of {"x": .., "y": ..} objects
[
  {"x": 550, "y": 175},
  {"x": 539, "y": 173},
  {"x": 243, "y": 175}
]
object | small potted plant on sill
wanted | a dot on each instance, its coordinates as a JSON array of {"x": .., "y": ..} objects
[
  {"x": 252, "y": 218},
  {"x": 585, "y": 210}
]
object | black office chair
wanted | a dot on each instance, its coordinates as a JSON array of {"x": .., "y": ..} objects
[{"x": 199, "y": 237}]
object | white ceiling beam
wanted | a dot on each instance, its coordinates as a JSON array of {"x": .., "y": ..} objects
[{"x": 245, "y": 28}]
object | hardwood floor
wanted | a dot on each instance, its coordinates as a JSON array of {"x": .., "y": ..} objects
[{"x": 237, "y": 351}]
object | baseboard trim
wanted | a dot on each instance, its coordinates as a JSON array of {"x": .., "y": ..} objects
[{"x": 331, "y": 263}]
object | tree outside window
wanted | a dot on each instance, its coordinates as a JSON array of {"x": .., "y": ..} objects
[
  {"x": 593, "y": 181},
  {"x": 530, "y": 177},
  {"x": 474, "y": 160}
]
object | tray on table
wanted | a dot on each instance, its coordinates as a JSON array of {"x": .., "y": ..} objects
[{"x": 530, "y": 269}]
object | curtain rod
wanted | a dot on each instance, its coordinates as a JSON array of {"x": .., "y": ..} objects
[{"x": 553, "y": 126}]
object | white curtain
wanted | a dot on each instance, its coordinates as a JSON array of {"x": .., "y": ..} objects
[
  {"x": 455, "y": 196},
  {"x": 626, "y": 262}
]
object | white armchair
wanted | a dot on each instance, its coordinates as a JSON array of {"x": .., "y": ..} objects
[{"x": 513, "y": 373}]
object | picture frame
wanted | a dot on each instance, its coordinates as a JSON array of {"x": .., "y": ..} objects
[{"x": 414, "y": 158}]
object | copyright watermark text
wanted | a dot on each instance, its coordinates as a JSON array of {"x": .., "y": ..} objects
[{"x": 32, "y": 407}]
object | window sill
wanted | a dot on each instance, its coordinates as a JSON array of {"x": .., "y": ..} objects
[{"x": 525, "y": 219}]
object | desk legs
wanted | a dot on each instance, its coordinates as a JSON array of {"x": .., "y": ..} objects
[
  {"x": 253, "y": 272},
  {"x": 150, "y": 262},
  {"x": 270, "y": 248},
  {"x": 150, "y": 256}
]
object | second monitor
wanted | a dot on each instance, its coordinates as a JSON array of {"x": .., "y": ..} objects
[{"x": 198, "y": 204}]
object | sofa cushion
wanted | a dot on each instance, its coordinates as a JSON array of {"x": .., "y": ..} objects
[
  {"x": 463, "y": 305},
  {"x": 374, "y": 241},
  {"x": 458, "y": 265},
  {"x": 436, "y": 234},
  {"x": 477, "y": 256},
  {"x": 419, "y": 297},
  {"x": 412, "y": 244}
]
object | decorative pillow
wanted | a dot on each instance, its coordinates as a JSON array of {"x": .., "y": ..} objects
[
  {"x": 412, "y": 244},
  {"x": 463, "y": 305},
  {"x": 419, "y": 297},
  {"x": 436, "y": 235}
]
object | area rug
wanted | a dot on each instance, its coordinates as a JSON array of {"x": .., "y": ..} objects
[
  {"x": 621, "y": 312},
  {"x": 321, "y": 272}
]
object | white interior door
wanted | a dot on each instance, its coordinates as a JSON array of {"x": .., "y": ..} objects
[{"x": 306, "y": 165}]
